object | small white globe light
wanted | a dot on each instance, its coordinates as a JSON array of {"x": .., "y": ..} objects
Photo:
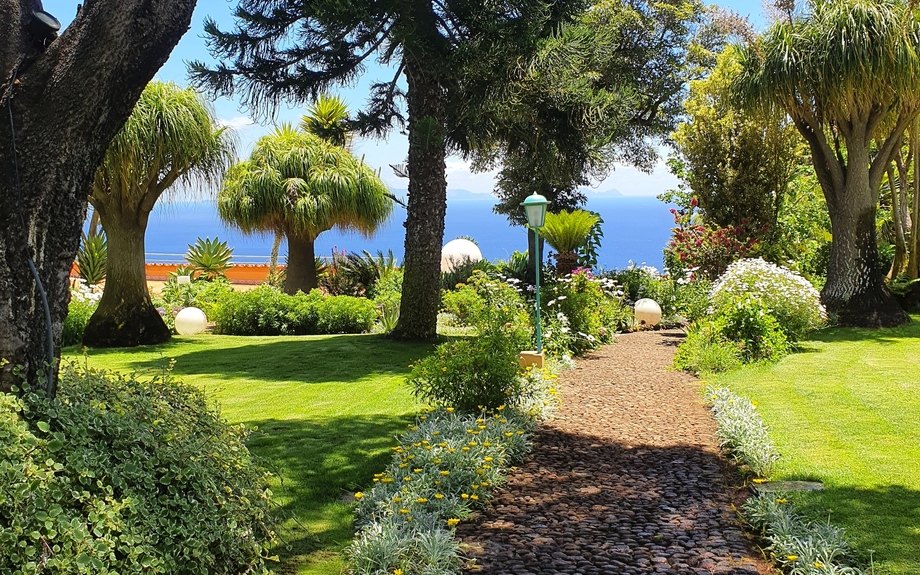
[
  {"x": 190, "y": 321},
  {"x": 647, "y": 312},
  {"x": 457, "y": 252}
]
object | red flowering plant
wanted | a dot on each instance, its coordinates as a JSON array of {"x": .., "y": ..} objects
[{"x": 701, "y": 250}]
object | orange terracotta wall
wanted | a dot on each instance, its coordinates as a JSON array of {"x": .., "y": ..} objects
[{"x": 240, "y": 273}]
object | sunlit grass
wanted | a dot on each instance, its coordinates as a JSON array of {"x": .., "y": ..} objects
[
  {"x": 327, "y": 409},
  {"x": 845, "y": 411}
]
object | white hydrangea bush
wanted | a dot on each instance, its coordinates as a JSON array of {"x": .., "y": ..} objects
[{"x": 787, "y": 296}]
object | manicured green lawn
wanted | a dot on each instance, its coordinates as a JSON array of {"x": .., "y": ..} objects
[
  {"x": 845, "y": 410},
  {"x": 327, "y": 409}
]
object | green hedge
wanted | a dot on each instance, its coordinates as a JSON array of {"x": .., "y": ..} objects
[
  {"x": 125, "y": 476},
  {"x": 267, "y": 311}
]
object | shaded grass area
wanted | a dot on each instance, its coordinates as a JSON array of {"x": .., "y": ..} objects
[
  {"x": 326, "y": 409},
  {"x": 845, "y": 411}
]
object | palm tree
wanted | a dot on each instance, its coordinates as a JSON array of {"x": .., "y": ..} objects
[
  {"x": 566, "y": 232},
  {"x": 327, "y": 118},
  {"x": 846, "y": 72},
  {"x": 300, "y": 185},
  {"x": 172, "y": 140}
]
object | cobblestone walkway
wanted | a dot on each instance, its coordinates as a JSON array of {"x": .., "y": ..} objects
[{"x": 625, "y": 480}]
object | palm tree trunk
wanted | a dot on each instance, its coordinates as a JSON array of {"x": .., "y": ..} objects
[
  {"x": 913, "y": 247},
  {"x": 301, "y": 265},
  {"x": 855, "y": 293},
  {"x": 897, "y": 219},
  {"x": 276, "y": 247},
  {"x": 125, "y": 316},
  {"x": 418, "y": 312}
]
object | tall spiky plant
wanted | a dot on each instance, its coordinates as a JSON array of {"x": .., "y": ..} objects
[
  {"x": 299, "y": 184},
  {"x": 327, "y": 118},
  {"x": 566, "y": 232},
  {"x": 171, "y": 141},
  {"x": 846, "y": 72}
]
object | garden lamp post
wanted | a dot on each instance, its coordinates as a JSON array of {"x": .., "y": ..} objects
[{"x": 535, "y": 210}]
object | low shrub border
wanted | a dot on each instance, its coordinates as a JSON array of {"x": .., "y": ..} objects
[
  {"x": 445, "y": 465},
  {"x": 795, "y": 544}
]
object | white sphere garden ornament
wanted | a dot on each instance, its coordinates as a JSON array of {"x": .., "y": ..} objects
[
  {"x": 190, "y": 321},
  {"x": 457, "y": 252},
  {"x": 647, "y": 312}
]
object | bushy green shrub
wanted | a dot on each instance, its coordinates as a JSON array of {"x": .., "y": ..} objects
[
  {"x": 706, "y": 350},
  {"x": 785, "y": 295},
  {"x": 267, "y": 311},
  {"x": 84, "y": 299},
  {"x": 482, "y": 370},
  {"x": 127, "y": 476},
  {"x": 581, "y": 312},
  {"x": 750, "y": 325},
  {"x": 742, "y": 431},
  {"x": 200, "y": 293}
]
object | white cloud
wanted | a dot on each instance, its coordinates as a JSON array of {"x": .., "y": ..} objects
[
  {"x": 460, "y": 177},
  {"x": 237, "y": 123},
  {"x": 633, "y": 182}
]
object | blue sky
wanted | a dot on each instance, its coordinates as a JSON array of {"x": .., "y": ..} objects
[{"x": 378, "y": 154}]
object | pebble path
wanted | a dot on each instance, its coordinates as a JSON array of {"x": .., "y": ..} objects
[{"x": 626, "y": 479}]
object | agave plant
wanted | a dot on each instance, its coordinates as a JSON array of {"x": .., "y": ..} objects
[
  {"x": 209, "y": 258},
  {"x": 91, "y": 257},
  {"x": 566, "y": 232}
]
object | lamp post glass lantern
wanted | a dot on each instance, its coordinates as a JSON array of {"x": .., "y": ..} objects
[{"x": 535, "y": 210}]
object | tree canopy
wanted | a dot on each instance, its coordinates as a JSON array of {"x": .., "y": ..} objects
[
  {"x": 452, "y": 57},
  {"x": 846, "y": 72},
  {"x": 300, "y": 185}
]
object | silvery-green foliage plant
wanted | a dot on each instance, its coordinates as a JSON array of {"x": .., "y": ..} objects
[
  {"x": 742, "y": 431},
  {"x": 787, "y": 296}
]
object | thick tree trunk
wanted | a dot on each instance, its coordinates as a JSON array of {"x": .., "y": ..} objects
[
  {"x": 67, "y": 101},
  {"x": 855, "y": 293},
  {"x": 301, "y": 266},
  {"x": 418, "y": 312},
  {"x": 125, "y": 316}
]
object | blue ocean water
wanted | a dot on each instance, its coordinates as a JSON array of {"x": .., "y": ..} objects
[{"x": 635, "y": 229}]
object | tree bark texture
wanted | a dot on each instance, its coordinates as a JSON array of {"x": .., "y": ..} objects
[
  {"x": 67, "y": 100},
  {"x": 125, "y": 316},
  {"x": 855, "y": 292},
  {"x": 427, "y": 207},
  {"x": 301, "y": 265}
]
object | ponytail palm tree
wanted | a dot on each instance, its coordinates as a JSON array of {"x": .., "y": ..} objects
[
  {"x": 847, "y": 73},
  {"x": 300, "y": 185},
  {"x": 327, "y": 118},
  {"x": 171, "y": 140},
  {"x": 566, "y": 232}
]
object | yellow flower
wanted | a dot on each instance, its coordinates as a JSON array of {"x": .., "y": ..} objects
[
  {"x": 398, "y": 571},
  {"x": 472, "y": 444},
  {"x": 403, "y": 465},
  {"x": 474, "y": 497},
  {"x": 481, "y": 426},
  {"x": 499, "y": 408},
  {"x": 508, "y": 434},
  {"x": 449, "y": 409},
  {"x": 417, "y": 470},
  {"x": 407, "y": 478},
  {"x": 464, "y": 496},
  {"x": 465, "y": 449},
  {"x": 781, "y": 500},
  {"x": 387, "y": 480},
  {"x": 792, "y": 557},
  {"x": 486, "y": 444},
  {"x": 359, "y": 495},
  {"x": 760, "y": 480},
  {"x": 404, "y": 511},
  {"x": 520, "y": 432},
  {"x": 445, "y": 472},
  {"x": 487, "y": 459},
  {"x": 818, "y": 564},
  {"x": 438, "y": 496},
  {"x": 397, "y": 499},
  {"x": 376, "y": 480},
  {"x": 475, "y": 486},
  {"x": 421, "y": 500},
  {"x": 436, "y": 461},
  {"x": 452, "y": 521},
  {"x": 451, "y": 450}
]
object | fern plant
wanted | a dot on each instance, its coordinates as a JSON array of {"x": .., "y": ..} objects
[
  {"x": 209, "y": 258},
  {"x": 566, "y": 232},
  {"x": 92, "y": 257}
]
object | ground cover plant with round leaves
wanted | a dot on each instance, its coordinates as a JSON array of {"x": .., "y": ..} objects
[
  {"x": 447, "y": 464},
  {"x": 129, "y": 476}
]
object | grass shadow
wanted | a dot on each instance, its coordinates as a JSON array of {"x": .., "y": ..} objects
[
  {"x": 883, "y": 521},
  {"x": 319, "y": 463},
  {"x": 301, "y": 359}
]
